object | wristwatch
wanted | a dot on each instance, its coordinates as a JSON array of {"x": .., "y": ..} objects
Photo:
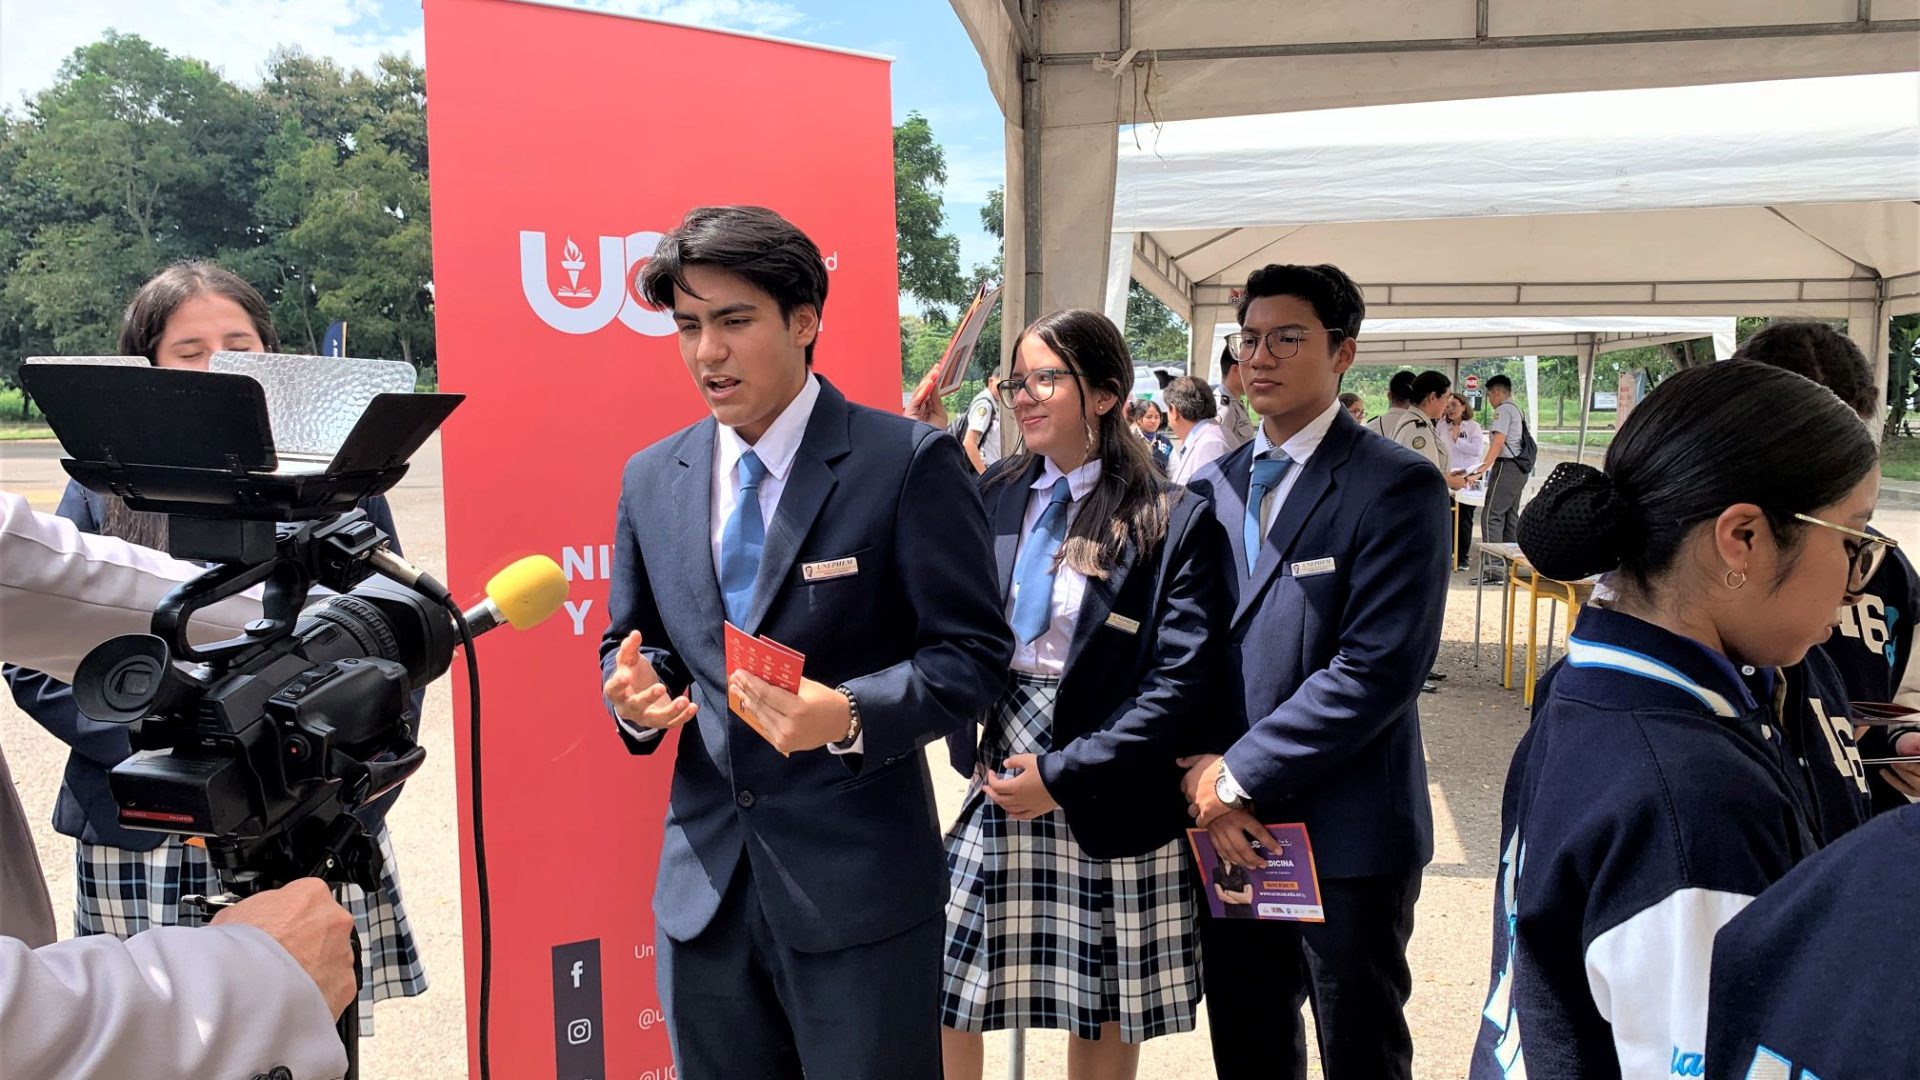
[
  {"x": 853, "y": 720},
  {"x": 1223, "y": 790}
]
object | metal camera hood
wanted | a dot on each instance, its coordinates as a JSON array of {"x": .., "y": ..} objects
[{"x": 256, "y": 437}]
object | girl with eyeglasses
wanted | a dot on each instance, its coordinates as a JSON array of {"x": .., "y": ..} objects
[
  {"x": 1073, "y": 900},
  {"x": 1656, "y": 792}
]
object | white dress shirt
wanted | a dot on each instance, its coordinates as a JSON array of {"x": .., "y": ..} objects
[
  {"x": 1300, "y": 448},
  {"x": 776, "y": 450},
  {"x": 1466, "y": 444},
  {"x": 1205, "y": 443},
  {"x": 1047, "y": 654}
]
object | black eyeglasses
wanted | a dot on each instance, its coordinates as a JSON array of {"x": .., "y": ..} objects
[
  {"x": 1038, "y": 384},
  {"x": 1865, "y": 551},
  {"x": 1282, "y": 344}
]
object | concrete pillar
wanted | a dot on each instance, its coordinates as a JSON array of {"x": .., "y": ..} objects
[
  {"x": 1584, "y": 360},
  {"x": 1203, "y": 352},
  {"x": 1060, "y": 182},
  {"x": 1870, "y": 328}
]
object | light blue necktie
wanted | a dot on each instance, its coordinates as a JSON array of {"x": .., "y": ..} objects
[
  {"x": 1267, "y": 474},
  {"x": 1033, "y": 608},
  {"x": 741, "y": 541}
]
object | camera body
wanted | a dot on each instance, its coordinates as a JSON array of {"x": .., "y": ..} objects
[{"x": 264, "y": 744}]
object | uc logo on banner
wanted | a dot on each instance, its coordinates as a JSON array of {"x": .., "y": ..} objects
[{"x": 606, "y": 294}]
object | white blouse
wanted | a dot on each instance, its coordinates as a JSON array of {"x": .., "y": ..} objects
[{"x": 1047, "y": 654}]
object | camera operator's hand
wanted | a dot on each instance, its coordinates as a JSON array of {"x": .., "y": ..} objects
[
  {"x": 314, "y": 929},
  {"x": 637, "y": 695}
]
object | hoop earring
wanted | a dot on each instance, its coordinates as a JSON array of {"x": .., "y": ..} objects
[{"x": 1732, "y": 574}]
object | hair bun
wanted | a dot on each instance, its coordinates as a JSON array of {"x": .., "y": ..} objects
[{"x": 1579, "y": 524}]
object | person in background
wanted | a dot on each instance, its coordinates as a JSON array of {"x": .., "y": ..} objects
[
  {"x": 1191, "y": 413},
  {"x": 1148, "y": 420},
  {"x": 1654, "y": 796},
  {"x": 1355, "y": 405},
  {"x": 1465, "y": 444},
  {"x": 1234, "y": 422},
  {"x": 1073, "y": 895},
  {"x": 1399, "y": 405},
  {"x": 1506, "y": 472},
  {"x": 1338, "y": 586},
  {"x": 981, "y": 440},
  {"x": 130, "y": 880},
  {"x": 1418, "y": 427},
  {"x": 1872, "y": 646}
]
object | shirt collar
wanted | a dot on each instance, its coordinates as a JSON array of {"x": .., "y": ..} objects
[
  {"x": 1304, "y": 442},
  {"x": 1610, "y": 641},
  {"x": 780, "y": 442},
  {"x": 1080, "y": 481}
]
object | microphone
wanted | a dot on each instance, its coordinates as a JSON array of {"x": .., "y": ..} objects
[
  {"x": 521, "y": 596},
  {"x": 384, "y": 560}
]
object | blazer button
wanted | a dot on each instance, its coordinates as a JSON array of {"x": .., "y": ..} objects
[{"x": 745, "y": 799}]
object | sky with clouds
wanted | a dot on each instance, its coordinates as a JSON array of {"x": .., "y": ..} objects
[{"x": 935, "y": 68}]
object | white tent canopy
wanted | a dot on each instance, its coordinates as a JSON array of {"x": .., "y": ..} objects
[
  {"x": 1675, "y": 201},
  {"x": 1068, "y": 73},
  {"x": 1787, "y": 197}
]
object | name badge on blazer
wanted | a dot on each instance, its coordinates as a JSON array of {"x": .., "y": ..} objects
[
  {"x": 1312, "y": 567},
  {"x": 830, "y": 569},
  {"x": 1123, "y": 624}
]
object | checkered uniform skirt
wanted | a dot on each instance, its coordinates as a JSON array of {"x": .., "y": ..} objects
[
  {"x": 124, "y": 892},
  {"x": 1042, "y": 935}
]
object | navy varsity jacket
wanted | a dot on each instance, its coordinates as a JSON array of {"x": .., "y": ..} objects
[
  {"x": 1811, "y": 980},
  {"x": 1648, "y": 804}
]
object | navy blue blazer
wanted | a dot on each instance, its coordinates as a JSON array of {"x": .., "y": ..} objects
[
  {"x": 1331, "y": 636},
  {"x": 1143, "y": 671},
  {"x": 85, "y": 809},
  {"x": 843, "y": 850}
]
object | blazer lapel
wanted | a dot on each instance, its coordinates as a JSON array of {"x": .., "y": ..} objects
[
  {"x": 1097, "y": 604},
  {"x": 1230, "y": 503},
  {"x": 690, "y": 529},
  {"x": 809, "y": 483},
  {"x": 1308, "y": 492}
]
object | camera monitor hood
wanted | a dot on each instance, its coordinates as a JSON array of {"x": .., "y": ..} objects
[{"x": 257, "y": 436}]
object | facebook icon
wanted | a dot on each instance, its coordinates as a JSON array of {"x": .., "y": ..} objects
[{"x": 578, "y": 1048}]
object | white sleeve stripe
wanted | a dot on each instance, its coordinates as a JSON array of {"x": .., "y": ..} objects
[{"x": 1649, "y": 978}]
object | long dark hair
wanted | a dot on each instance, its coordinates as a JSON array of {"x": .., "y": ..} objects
[
  {"x": 1131, "y": 502},
  {"x": 1708, "y": 438},
  {"x": 147, "y": 314}
]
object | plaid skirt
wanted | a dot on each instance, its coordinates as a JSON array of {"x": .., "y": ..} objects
[
  {"x": 1042, "y": 935},
  {"x": 123, "y": 892}
]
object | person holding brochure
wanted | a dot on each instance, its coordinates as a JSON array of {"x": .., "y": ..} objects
[
  {"x": 1657, "y": 792},
  {"x": 1339, "y": 577},
  {"x": 1073, "y": 899},
  {"x": 801, "y": 881}
]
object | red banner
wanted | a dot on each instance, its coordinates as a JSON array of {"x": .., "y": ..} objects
[{"x": 563, "y": 144}]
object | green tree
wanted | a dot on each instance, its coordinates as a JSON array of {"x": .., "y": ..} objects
[
  {"x": 1155, "y": 335},
  {"x": 929, "y": 256},
  {"x": 346, "y": 207},
  {"x": 132, "y": 159}
]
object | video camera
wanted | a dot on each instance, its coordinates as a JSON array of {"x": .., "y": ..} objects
[{"x": 271, "y": 740}]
